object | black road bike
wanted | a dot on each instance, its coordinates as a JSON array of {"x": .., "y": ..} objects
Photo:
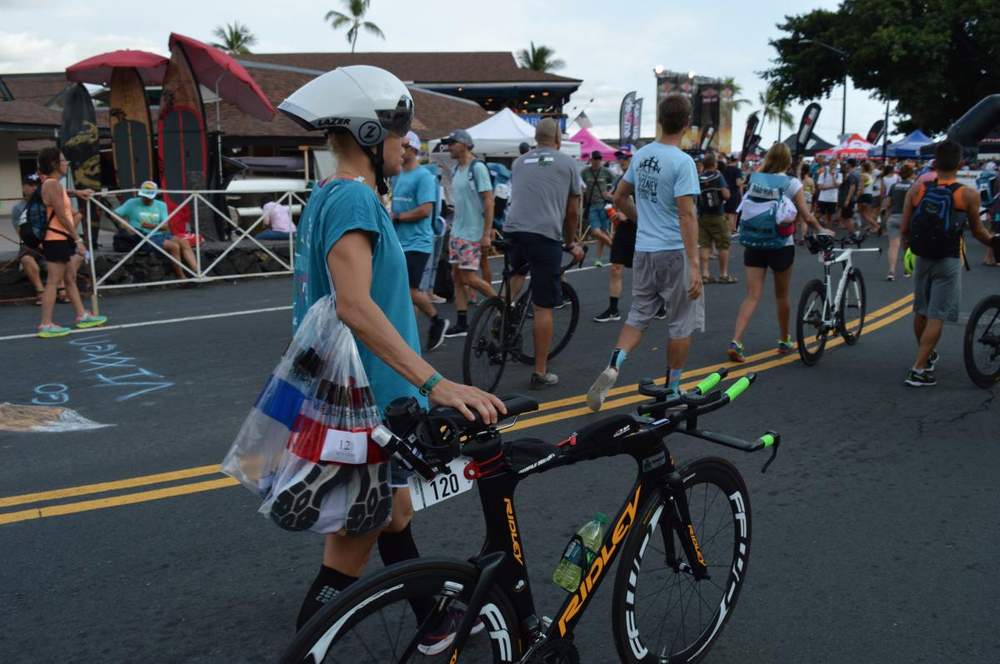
[
  {"x": 498, "y": 330},
  {"x": 683, "y": 532}
]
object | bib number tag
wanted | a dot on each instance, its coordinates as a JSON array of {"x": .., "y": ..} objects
[
  {"x": 446, "y": 485},
  {"x": 345, "y": 447}
]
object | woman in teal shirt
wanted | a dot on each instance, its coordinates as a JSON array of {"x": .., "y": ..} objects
[{"x": 144, "y": 214}]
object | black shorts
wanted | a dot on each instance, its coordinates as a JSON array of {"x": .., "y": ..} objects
[
  {"x": 542, "y": 257},
  {"x": 58, "y": 251},
  {"x": 827, "y": 207},
  {"x": 416, "y": 262},
  {"x": 847, "y": 211},
  {"x": 623, "y": 244},
  {"x": 777, "y": 260},
  {"x": 866, "y": 199}
]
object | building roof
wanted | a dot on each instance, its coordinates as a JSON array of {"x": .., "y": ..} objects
[
  {"x": 38, "y": 88},
  {"x": 423, "y": 68}
]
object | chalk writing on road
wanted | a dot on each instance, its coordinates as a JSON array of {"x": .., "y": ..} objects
[
  {"x": 109, "y": 367},
  {"x": 50, "y": 393}
]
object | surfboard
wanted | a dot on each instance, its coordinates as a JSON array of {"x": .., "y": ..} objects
[
  {"x": 181, "y": 126},
  {"x": 78, "y": 138},
  {"x": 131, "y": 129}
]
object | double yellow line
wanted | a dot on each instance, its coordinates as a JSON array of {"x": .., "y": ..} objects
[{"x": 551, "y": 411}]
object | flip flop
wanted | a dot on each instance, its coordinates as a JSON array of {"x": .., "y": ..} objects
[
  {"x": 708, "y": 279},
  {"x": 728, "y": 279}
]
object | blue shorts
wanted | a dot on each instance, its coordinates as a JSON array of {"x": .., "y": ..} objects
[
  {"x": 597, "y": 219},
  {"x": 541, "y": 256},
  {"x": 155, "y": 238}
]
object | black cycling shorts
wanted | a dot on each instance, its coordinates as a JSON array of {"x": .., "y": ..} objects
[
  {"x": 623, "y": 244},
  {"x": 58, "y": 251},
  {"x": 827, "y": 207},
  {"x": 542, "y": 257},
  {"x": 416, "y": 263},
  {"x": 777, "y": 260}
]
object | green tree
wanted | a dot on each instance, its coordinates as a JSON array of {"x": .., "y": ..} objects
[
  {"x": 737, "y": 89},
  {"x": 357, "y": 9},
  {"x": 234, "y": 38},
  {"x": 540, "y": 58},
  {"x": 773, "y": 108},
  {"x": 935, "y": 58}
]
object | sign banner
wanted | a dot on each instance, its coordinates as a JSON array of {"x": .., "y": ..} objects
[
  {"x": 636, "y": 122},
  {"x": 875, "y": 133},
  {"x": 806, "y": 127},
  {"x": 707, "y": 135},
  {"x": 752, "y": 121},
  {"x": 626, "y": 118},
  {"x": 583, "y": 121}
]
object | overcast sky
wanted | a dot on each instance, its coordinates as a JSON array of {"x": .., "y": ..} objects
[{"x": 613, "y": 51}]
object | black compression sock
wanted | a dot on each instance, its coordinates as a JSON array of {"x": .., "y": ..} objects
[
  {"x": 324, "y": 587},
  {"x": 397, "y": 547},
  {"x": 463, "y": 318},
  {"x": 614, "y": 304}
]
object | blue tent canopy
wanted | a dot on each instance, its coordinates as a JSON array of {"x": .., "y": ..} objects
[{"x": 908, "y": 147}]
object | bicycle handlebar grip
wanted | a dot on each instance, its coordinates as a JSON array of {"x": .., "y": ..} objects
[
  {"x": 767, "y": 440},
  {"x": 739, "y": 387},
  {"x": 705, "y": 386}
]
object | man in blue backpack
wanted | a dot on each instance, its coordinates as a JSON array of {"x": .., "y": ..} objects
[
  {"x": 935, "y": 214},
  {"x": 27, "y": 254}
]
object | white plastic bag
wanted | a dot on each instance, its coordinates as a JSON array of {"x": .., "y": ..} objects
[{"x": 305, "y": 446}]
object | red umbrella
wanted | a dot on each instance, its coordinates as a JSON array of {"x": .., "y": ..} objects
[
  {"x": 219, "y": 72},
  {"x": 97, "y": 69}
]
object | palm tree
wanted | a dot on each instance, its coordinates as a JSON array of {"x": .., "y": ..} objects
[
  {"x": 774, "y": 109},
  {"x": 234, "y": 38},
  {"x": 737, "y": 89},
  {"x": 356, "y": 19},
  {"x": 541, "y": 58}
]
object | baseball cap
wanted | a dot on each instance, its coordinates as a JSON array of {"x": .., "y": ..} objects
[
  {"x": 148, "y": 189},
  {"x": 623, "y": 154},
  {"x": 413, "y": 140},
  {"x": 596, "y": 154},
  {"x": 459, "y": 136},
  {"x": 30, "y": 178}
]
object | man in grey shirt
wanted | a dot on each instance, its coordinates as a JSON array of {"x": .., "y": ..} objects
[{"x": 542, "y": 219}]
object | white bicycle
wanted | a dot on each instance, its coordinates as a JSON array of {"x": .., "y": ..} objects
[{"x": 822, "y": 309}]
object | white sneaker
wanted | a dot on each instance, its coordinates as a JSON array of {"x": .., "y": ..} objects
[{"x": 599, "y": 390}]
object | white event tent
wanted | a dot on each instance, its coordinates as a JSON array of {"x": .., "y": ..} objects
[{"x": 501, "y": 134}]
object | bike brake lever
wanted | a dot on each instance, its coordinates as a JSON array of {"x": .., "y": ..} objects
[{"x": 776, "y": 437}]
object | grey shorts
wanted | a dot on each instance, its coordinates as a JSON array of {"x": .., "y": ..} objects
[
  {"x": 894, "y": 223},
  {"x": 937, "y": 288},
  {"x": 662, "y": 277}
]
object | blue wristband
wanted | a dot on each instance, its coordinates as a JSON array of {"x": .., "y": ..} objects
[{"x": 430, "y": 383}]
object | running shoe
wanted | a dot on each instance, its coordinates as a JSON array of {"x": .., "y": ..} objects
[
  {"x": 607, "y": 316},
  {"x": 437, "y": 299},
  {"x": 599, "y": 390},
  {"x": 598, "y": 263},
  {"x": 920, "y": 378},
  {"x": 460, "y": 330},
  {"x": 890, "y": 277},
  {"x": 297, "y": 507},
  {"x": 735, "y": 352},
  {"x": 90, "y": 320},
  {"x": 436, "y": 333},
  {"x": 785, "y": 347},
  {"x": 932, "y": 360},
  {"x": 542, "y": 381},
  {"x": 440, "y": 638},
  {"x": 661, "y": 313},
  {"x": 52, "y": 331}
]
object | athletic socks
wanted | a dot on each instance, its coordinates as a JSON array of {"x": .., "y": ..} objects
[
  {"x": 617, "y": 358},
  {"x": 463, "y": 318},
  {"x": 613, "y": 306},
  {"x": 324, "y": 587},
  {"x": 674, "y": 380},
  {"x": 397, "y": 547}
]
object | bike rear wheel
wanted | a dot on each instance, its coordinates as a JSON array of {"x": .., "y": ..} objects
[
  {"x": 564, "y": 321},
  {"x": 982, "y": 343},
  {"x": 810, "y": 330},
  {"x": 852, "y": 313},
  {"x": 485, "y": 353},
  {"x": 661, "y": 612},
  {"x": 374, "y": 620}
]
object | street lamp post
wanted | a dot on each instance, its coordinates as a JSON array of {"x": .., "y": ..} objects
[{"x": 843, "y": 55}]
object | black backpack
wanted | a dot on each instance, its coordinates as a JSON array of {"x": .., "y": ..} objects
[
  {"x": 934, "y": 230},
  {"x": 34, "y": 220},
  {"x": 710, "y": 200}
]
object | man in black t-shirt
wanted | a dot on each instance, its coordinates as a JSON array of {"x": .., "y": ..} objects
[{"x": 734, "y": 182}]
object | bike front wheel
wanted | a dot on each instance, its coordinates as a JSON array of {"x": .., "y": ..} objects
[
  {"x": 485, "y": 353},
  {"x": 661, "y": 612},
  {"x": 564, "y": 321},
  {"x": 852, "y": 313},
  {"x": 982, "y": 343},
  {"x": 375, "y": 620},
  {"x": 810, "y": 326}
]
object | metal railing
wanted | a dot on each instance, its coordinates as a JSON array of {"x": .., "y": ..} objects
[{"x": 194, "y": 201}]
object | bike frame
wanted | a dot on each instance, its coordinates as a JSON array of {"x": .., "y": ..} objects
[{"x": 834, "y": 300}]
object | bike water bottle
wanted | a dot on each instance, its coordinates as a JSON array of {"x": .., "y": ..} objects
[{"x": 579, "y": 553}]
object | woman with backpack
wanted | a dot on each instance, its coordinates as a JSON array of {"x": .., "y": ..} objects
[
  {"x": 60, "y": 243},
  {"x": 767, "y": 234}
]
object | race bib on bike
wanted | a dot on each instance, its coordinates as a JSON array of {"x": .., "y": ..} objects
[{"x": 447, "y": 485}]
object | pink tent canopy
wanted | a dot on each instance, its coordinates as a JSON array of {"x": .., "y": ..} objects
[
  {"x": 854, "y": 146},
  {"x": 97, "y": 69},
  {"x": 216, "y": 70},
  {"x": 588, "y": 143}
]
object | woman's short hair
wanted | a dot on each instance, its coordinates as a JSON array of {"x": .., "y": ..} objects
[{"x": 48, "y": 160}]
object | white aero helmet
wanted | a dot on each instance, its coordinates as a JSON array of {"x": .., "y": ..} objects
[{"x": 366, "y": 101}]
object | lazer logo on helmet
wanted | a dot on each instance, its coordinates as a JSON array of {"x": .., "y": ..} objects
[{"x": 333, "y": 122}]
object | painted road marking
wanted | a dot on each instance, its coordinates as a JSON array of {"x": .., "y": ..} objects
[{"x": 220, "y": 483}]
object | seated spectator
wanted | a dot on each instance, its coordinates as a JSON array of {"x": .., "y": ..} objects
[
  {"x": 279, "y": 218},
  {"x": 30, "y": 258},
  {"x": 143, "y": 214}
]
